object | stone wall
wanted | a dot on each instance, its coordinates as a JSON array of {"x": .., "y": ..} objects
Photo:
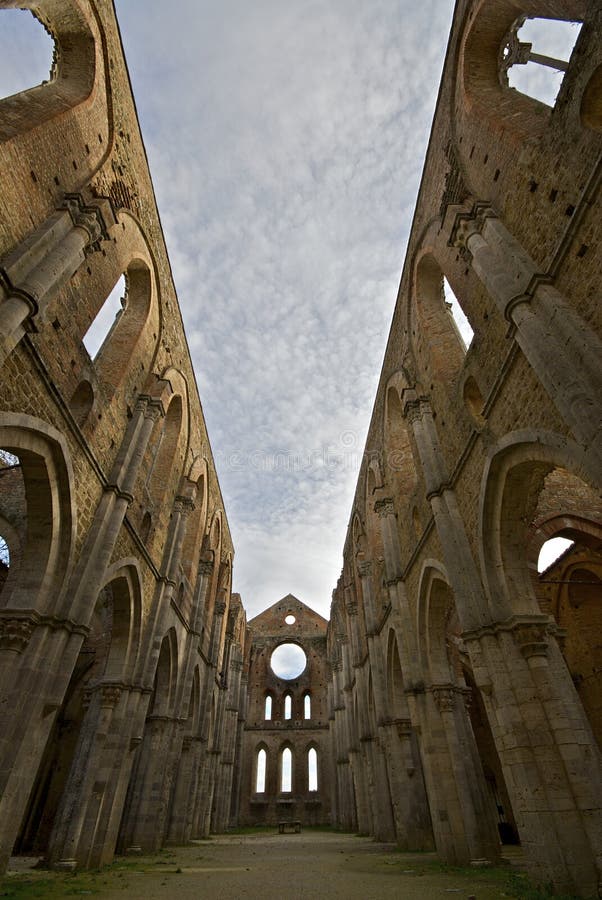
[
  {"x": 270, "y": 730},
  {"x": 120, "y": 642},
  {"x": 454, "y": 717}
]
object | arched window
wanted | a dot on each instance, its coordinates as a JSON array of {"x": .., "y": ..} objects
[
  {"x": 536, "y": 56},
  {"x": 312, "y": 769},
  {"x": 439, "y": 334},
  {"x": 457, "y": 313},
  {"x": 268, "y": 708},
  {"x": 286, "y": 771},
  {"x": 551, "y": 551},
  {"x": 106, "y": 319},
  {"x": 26, "y": 51},
  {"x": 288, "y": 706},
  {"x": 13, "y": 513},
  {"x": 307, "y": 707},
  {"x": 260, "y": 778}
]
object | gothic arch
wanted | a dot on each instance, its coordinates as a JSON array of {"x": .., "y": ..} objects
[
  {"x": 479, "y": 88},
  {"x": 78, "y": 86},
  {"x": 401, "y": 471},
  {"x": 48, "y": 480},
  {"x": 125, "y": 580},
  {"x": 435, "y": 607},
  {"x": 198, "y": 480},
  {"x": 166, "y": 677},
  {"x": 513, "y": 479},
  {"x": 438, "y": 348},
  {"x": 128, "y": 349}
]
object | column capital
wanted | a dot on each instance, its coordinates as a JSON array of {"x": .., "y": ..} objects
[
  {"x": 532, "y": 639},
  {"x": 89, "y": 218},
  {"x": 364, "y": 568},
  {"x": 219, "y": 608},
  {"x": 183, "y": 505},
  {"x": 205, "y": 569},
  {"x": 351, "y": 606},
  {"x": 470, "y": 222},
  {"x": 385, "y": 507},
  {"x": 15, "y": 633}
]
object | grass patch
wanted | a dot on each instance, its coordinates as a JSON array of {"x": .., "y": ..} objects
[{"x": 512, "y": 883}]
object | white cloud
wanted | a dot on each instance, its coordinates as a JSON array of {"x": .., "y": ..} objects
[{"x": 286, "y": 142}]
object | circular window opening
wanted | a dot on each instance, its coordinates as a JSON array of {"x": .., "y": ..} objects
[
  {"x": 290, "y": 620},
  {"x": 288, "y": 661}
]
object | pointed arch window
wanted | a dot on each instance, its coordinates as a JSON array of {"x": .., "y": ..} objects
[
  {"x": 267, "y": 713},
  {"x": 106, "y": 319},
  {"x": 536, "y": 56},
  {"x": 307, "y": 706},
  {"x": 27, "y": 50},
  {"x": 312, "y": 769},
  {"x": 288, "y": 706},
  {"x": 261, "y": 771},
  {"x": 286, "y": 771},
  {"x": 463, "y": 326}
]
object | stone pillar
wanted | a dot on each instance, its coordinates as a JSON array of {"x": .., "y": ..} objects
[
  {"x": 561, "y": 349},
  {"x": 145, "y": 822},
  {"x": 465, "y": 799},
  {"x": 102, "y": 740},
  {"x": 398, "y": 735},
  {"x": 216, "y": 631},
  {"x": 240, "y": 733},
  {"x": 382, "y": 802},
  {"x": 550, "y": 758},
  {"x": 108, "y": 519},
  {"x": 228, "y": 742},
  {"x": 193, "y": 745},
  {"x": 32, "y": 274},
  {"x": 39, "y": 649}
]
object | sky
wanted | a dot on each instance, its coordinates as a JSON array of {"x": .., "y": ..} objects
[{"x": 286, "y": 140}]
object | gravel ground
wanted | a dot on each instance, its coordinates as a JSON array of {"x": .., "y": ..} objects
[{"x": 268, "y": 866}]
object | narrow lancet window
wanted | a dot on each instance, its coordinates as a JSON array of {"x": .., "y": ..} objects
[
  {"x": 307, "y": 707},
  {"x": 286, "y": 774},
  {"x": 261, "y": 771}
]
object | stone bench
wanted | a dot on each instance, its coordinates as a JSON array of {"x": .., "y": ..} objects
[{"x": 289, "y": 827}]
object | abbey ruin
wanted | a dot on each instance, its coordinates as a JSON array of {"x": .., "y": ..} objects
[{"x": 453, "y": 700}]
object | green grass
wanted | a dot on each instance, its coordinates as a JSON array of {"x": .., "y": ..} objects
[{"x": 513, "y": 884}]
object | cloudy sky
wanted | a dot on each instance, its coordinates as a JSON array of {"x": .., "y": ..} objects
[{"x": 286, "y": 140}]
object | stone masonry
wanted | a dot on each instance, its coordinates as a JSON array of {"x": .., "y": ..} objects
[{"x": 452, "y": 701}]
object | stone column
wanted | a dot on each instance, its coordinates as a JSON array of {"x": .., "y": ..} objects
[
  {"x": 216, "y": 630},
  {"x": 228, "y": 742},
  {"x": 398, "y": 735},
  {"x": 145, "y": 821},
  {"x": 39, "y": 648},
  {"x": 345, "y": 797},
  {"x": 382, "y": 810},
  {"x": 69, "y": 845},
  {"x": 35, "y": 271},
  {"x": 550, "y": 758},
  {"x": 187, "y": 778},
  {"x": 457, "y": 555},
  {"x": 561, "y": 349},
  {"x": 110, "y": 513}
]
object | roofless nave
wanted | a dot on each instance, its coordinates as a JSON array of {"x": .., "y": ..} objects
[{"x": 453, "y": 699}]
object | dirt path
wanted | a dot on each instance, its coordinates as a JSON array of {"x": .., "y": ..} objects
[{"x": 269, "y": 867}]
